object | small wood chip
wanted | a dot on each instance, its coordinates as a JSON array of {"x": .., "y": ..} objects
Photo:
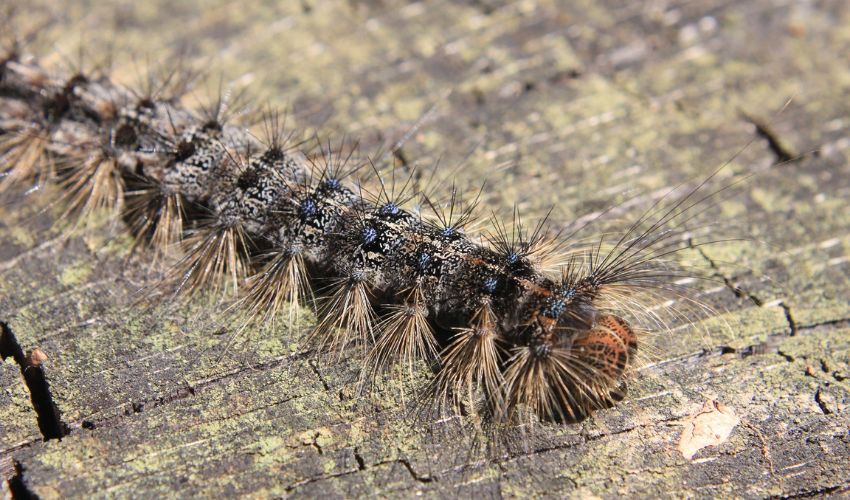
[{"x": 711, "y": 426}]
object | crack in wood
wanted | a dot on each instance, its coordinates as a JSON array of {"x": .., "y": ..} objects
[
  {"x": 314, "y": 367},
  {"x": 792, "y": 323},
  {"x": 736, "y": 289},
  {"x": 821, "y": 402},
  {"x": 769, "y": 346},
  {"x": 315, "y": 479},
  {"x": 510, "y": 457},
  {"x": 818, "y": 492},
  {"x": 186, "y": 391},
  {"x": 783, "y": 152},
  {"x": 416, "y": 477},
  {"x": 20, "y": 446},
  {"x": 361, "y": 466},
  {"x": 828, "y": 322},
  {"x": 49, "y": 419},
  {"x": 18, "y": 487}
]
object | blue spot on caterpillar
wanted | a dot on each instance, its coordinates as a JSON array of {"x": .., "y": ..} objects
[{"x": 368, "y": 235}]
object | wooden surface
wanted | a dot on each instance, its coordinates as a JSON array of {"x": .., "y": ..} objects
[{"x": 582, "y": 105}]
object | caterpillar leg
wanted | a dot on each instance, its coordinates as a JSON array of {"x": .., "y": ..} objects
[
  {"x": 214, "y": 255},
  {"x": 471, "y": 365},
  {"x": 24, "y": 159},
  {"x": 405, "y": 335},
  {"x": 155, "y": 216},
  {"x": 346, "y": 315},
  {"x": 90, "y": 183},
  {"x": 283, "y": 281}
]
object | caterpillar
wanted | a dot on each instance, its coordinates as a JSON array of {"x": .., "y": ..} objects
[{"x": 513, "y": 322}]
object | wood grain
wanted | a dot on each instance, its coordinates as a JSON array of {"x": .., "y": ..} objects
[{"x": 584, "y": 106}]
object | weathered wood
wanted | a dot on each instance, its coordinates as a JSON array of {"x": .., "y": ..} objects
[{"x": 584, "y": 106}]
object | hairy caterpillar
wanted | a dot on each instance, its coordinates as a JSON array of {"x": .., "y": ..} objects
[{"x": 512, "y": 321}]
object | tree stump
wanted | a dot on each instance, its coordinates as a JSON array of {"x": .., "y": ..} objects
[{"x": 582, "y": 106}]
